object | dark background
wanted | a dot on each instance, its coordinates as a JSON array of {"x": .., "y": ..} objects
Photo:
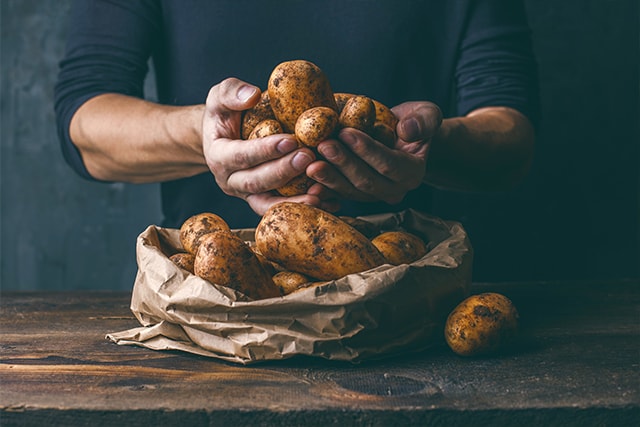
[{"x": 576, "y": 216}]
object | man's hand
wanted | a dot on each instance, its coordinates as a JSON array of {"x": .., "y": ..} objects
[
  {"x": 251, "y": 170},
  {"x": 360, "y": 168}
]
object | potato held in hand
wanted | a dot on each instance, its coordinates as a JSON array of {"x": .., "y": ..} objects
[
  {"x": 294, "y": 87},
  {"x": 481, "y": 324},
  {"x": 224, "y": 259},
  {"x": 311, "y": 241}
]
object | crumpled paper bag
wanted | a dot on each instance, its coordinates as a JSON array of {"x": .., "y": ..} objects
[{"x": 372, "y": 314}]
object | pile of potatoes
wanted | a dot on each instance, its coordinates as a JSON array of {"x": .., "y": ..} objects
[
  {"x": 296, "y": 246},
  {"x": 299, "y": 100}
]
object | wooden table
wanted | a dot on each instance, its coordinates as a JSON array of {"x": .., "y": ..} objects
[{"x": 577, "y": 364}]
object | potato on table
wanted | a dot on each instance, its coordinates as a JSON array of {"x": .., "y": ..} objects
[{"x": 481, "y": 324}]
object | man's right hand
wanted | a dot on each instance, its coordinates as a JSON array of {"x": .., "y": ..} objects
[{"x": 251, "y": 170}]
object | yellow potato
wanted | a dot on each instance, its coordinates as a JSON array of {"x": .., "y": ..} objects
[
  {"x": 341, "y": 99},
  {"x": 197, "y": 226},
  {"x": 315, "y": 125},
  {"x": 260, "y": 112},
  {"x": 297, "y": 186},
  {"x": 290, "y": 281},
  {"x": 294, "y": 87},
  {"x": 383, "y": 134},
  {"x": 358, "y": 112},
  {"x": 385, "y": 115},
  {"x": 224, "y": 259},
  {"x": 400, "y": 247},
  {"x": 481, "y": 324},
  {"x": 313, "y": 242},
  {"x": 265, "y": 128},
  {"x": 269, "y": 266},
  {"x": 183, "y": 260}
]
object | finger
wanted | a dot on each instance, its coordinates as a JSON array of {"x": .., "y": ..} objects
[
  {"x": 348, "y": 174},
  {"x": 231, "y": 95},
  {"x": 237, "y": 154},
  {"x": 418, "y": 121},
  {"x": 272, "y": 174},
  {"x": 329, "y": 199},
  {"x": 391, "y": 167},
  {"x": 224, "y": 105}
]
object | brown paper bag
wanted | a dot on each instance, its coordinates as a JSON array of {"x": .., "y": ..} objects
[{"x": 376, "y": 313}]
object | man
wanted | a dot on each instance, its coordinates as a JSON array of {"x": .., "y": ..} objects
[{"x": 460, "y": 75}]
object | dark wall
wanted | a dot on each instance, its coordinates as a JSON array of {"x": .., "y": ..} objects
[
  {"x": 576, "y": 216},
  {"x": 577, "y": 213}
]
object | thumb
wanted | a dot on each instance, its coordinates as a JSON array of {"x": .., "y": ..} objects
[
  {"x": 231, "y": 95},
  {"x": 417, "y": 121}
]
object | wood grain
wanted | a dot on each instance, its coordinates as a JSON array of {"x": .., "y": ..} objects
[{"x": 575, "y": 364}]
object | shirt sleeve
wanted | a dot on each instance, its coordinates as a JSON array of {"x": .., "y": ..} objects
[
  {"x": 496, "y": 64},
  {"x": 108, "y": 47}
]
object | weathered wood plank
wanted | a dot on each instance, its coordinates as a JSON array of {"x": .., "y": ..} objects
[{"x": 578, "y": 359}]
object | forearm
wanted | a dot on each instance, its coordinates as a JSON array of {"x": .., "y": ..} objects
[
  {"x": 489, "y": 149},
  {"x": 127, "y": 139}
]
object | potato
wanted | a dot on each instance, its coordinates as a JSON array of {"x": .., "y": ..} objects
[
  {"x": 481, "y": 324},
  {"x": 315, "y": 125},
  {"x": 369, "y": 229},
  {"x": 383, "y": 134},
  {"x": 225, "y": 259},
  {"x": 290, "y": 281},
  {"x": 313, "y": 242},
  {"x": 341, "y": 99},
  {"x": 183, "y": 260},
  {"x": 269, "y": 266},
  {"x": 400, "y": 247},
  {"x": 197, "y": 226},
  {"x": 385, "y": 115},
  {"x": 260, "y": 112},
  {"x": 265, "y": 128},
  {"x": 298, "y": 185},
  {"x": 358, "y": 112},
  {"x": 294, "y": 87}
]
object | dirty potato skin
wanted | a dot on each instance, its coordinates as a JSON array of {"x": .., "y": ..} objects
[
  {"x": 385, "y": 115},
  {"x": 400, "y": 247},
  {"x": 224, "y": 259},
  {"x": 197, "y": 226},
  {"x": 383, "y": 134},
  {"x": 315, "y": 125},
  {"x": 258, "y": 113},
  {"x": 290, "y": 281},
  {"x": 184, "y": 260},
  {"x": 265, "y": 128},
  {"x": 298, "y": 185},
  {"x": 313, "y": 242},
  {"x": 294, "y": 87},
  {"x": 481, "y": 324},
  {"x": 358, "y": 112}
]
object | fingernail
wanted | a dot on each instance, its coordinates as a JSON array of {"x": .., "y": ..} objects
[
  {"x": 411, "y": 128},
  {"x": 329, "y": 151},
  {"x": 300, "y": 161},
  {"x": 245, "y": 93},
  {"x": 286, "y": 146}
]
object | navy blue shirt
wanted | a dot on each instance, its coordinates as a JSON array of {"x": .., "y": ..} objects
[{"x": 460, "y": 54}]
